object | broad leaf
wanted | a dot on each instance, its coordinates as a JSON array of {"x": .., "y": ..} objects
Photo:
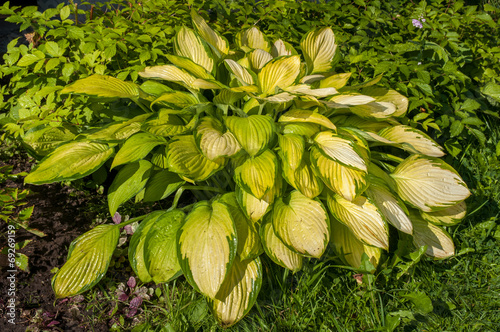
[
  {"x": 340, "y": 149},
  {"x": 336, "y": 81},
  {"x": 129, "y": 181},
  {"x": 88, "y": 260},
  {"x": 169, "y": 73},
  {"x": 349, "y": 248},
  {"x": 446, "y": 217},
  {"x": 190, "y": 66},
  {"x": 292, "y": 149},
  {"x": 319, "y": 48},
  {"x": 161, "y": 185},
  {"x": 257, "y": 174},
  {"x": 363, "y": 219},
  {"x": 255, "y": 208},
  {"x": 212, "y": 37},
  {"x": 243, "y": 75},
  {"x": 44, "y": 140},
  {"x": 137, "y": 243},
  {"x": 136, "y": 147},
  {"x": 305, "y": 129},
  {"x": 276, "y": 249},
  {"x": 429, "y": 183},
  {"x": 390, "y": 208},
  {"x": 303, "y": 177},
  {"x": 438, "y": 241},
  {"x": 388, "y": 95},
  {"x": 249, "y": 245},
  {"x": 345, "y": 181},
  {"x": 253, "y": 133},
  {"x": 214, "y": 142},
  {"x": 412, "y": 140},
  {"x": 258, "y": 59},
  {"x": 185, "y": 159},
  {"x": 169, "y": 123},
  {"x": 118, "y": 131},
  {"x": 252, "y": 39},
  {"x": 176, "y": 99},
  {"x": 374, "y": 110},
  {"x": 302, "y": 224},
  {"x": 278, "y": 73},
  {"x": 238, "y": 293},
  {"x": 104, "y": 86},
  {"x": 70, "y": 161},
  {"x": 307, "y": 116},
  {"x": 207, "y": 246},
  {"x": 160, "y": 247},
  {"x": 188, "y": 44}
]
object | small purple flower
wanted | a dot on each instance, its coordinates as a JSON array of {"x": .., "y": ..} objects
[
  {"x": 416, "y": 23},
  {"x": 117, "y": 218},
  {"x": 131, "y": 282}
]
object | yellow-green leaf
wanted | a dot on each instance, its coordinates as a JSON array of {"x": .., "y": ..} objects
[
  {"x": 363, "y": 219},
  {"x": 446, "y": 217},
  {"x": 88, "y": 260},
  {"x": 257, "y": 174},
  {"x": 253, "y": 133},
  {"x": 117, "y": 131},
  {"x": 390, "y": 208},
  {"x": 184, "y": 158},
  {"x": 213, "y": 141},
  {"x": 307, "y": 116},
  {"x": 137, "y": 243},
  {"x": 70, "y": 161},
  {"x": 188, "y": 44},
  {"x": 345, "y": 181},
  {"x": 177, "y": 99},
  {"x": 278, "y": 73},
  {"x": 255, "y": 208},
  {"x": 429, "y": 183},
  {"x": 129, "y": 181},
  {"x": 169, "y": 73},
  {"x": 319, "y": 48},
  {"x": 241, "y": 73},
  {"x": 340, "y": 149},
  {"x": 104, "y": 86},
  {"x": 280, "y": 48},
  {"x": 302, "y": 224},
  {"x": 292, "y": 148},
  {"x": 238, "y": 293},
  {"x": 349, "y": 248},
  {"x": 439, "y": 243},
  {"x": 276, "y": 249},
  {"x": 388, "y": 95},
  {"x": 207, "y": 246},
  {"x": 336, "y": 81},
  {"x": 252, "y": 39},
  {"x": 211, "y": 36},
  {"x": 258, "y": 59},
  {"x": 160, "y": 247},
  {"x": 169, "y": 123},
  {"x": 249, "y": 245},
  {"x": 377, "y": 110},
  {"x": 303, "y": 177},
  {"x": 305, "y": 129},
  {"x": 136, "y": 147},
  {"x": 412, "y": 140}
]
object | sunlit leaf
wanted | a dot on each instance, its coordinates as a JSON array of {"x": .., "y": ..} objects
[
  {"x": 104, "y": 86},
  {"x": 188, "y": 44},
  {"x": 257, "y": 174},
  {"x": 253, "y": 133},
  {"x": 136, "y": 147},
  {"x": 279, "y": 73},
  {"x": 412, "y": 140},
  {"x": 439, "y": 243},
  {"x": 306, "y": 116},
  {"x": 446, "y": 217},
  {"x": 214, "y": 142},
  {"x": 319, "y": 47}
]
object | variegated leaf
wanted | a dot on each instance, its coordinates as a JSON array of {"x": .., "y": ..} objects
[
  {"x": 188, "y": 44},
  {"x": 213, "y": 141},
  {"x": 319, "y": 47},
  {"x": 104, "y": 86},
  {"x": 390, "y": 207},
  {"x": 252, "y": 39},
  {"x": 302, "y": 224},
  {"x": 257, "y": 174},
  {"x": 340, "y": 149},
  {"x": 169, "y": 73},
  {"x": 377, "y": 110},
  {"x": 446, "y": 217},
  {"x": 439, "y": 243},
  {"x": 136, "y": 147},
  {"x": 412, "y": 140},
  {"x": 253, "y": 133},
  {"x": 258, "y": 59},
  {"x": 363, "y": 219},
  {"x": 306, "y": 116},
  {"x": 212, "y": 37},
  {"x": 336, "y": 81},
  {"x": 388, "y": 95},
  {"x": 428, "y": 183},
  {"x": 292, "y": 148},
  {"x": 278, "y": 73},
  {"x": 207, "y": 246},
  {"x": 243, "y": 75}
]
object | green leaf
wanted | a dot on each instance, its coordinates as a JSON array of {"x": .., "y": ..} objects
[
  {"x": 27, "y": 60},
  {"x": 421, "y": 301},
  {"x": 137, "y": 244},
  {"x": 238, "y": 292},
  {"x": 252, "y": 39},
  {"x": 253, "y": 133},
  {"x": 412, "y": 140},
  {"x": 446, "y": 217},
  {"x": 161, "y": 185},
  {"x": 492, "y": 90},
  {"x": 292, "y": 149},
  {"x": 212, "y": 37},
  {"x": 190, "y": 66},
  {"x": 104, "y": 86},
  {"x": 207, "y": 247},
  {"x": 185, "y": 159},
  {"x": 277, "y": 250},
  {"x": 340, "y": 149},
  {"x": 169, "y": 123},
  {"x": 46, "y": 139},
  {"x": 65, "y": 12},
  {"x": 257, "y": 174},
  {"x": 439, "y": 243},
  {"x": 88, "y": 260},
  {"x": 117, "y": 131},
  {"x": 160, "y": 248},
  {"x": 169, "y": 73},
  {"x": 136, "y": 147},
  {"x": 302, "y": 224},
  {"x": 129, "y": 181},
  {"x": 53, "y": 49},
  {"x": 70, "y": 161},
  {"x": 188, "y": 44}
]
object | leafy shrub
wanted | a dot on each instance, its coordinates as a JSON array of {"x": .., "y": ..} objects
[
  {"x": 117, "y": 40},
  {"x": 288, "y": 157}
]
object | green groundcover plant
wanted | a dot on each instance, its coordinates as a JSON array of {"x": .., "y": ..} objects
[{"x": 285, "y": 157}]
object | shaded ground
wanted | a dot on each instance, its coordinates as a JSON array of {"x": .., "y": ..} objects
[{"x": 60, "y": 213}]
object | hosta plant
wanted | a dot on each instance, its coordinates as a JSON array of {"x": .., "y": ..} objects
[{"x": 285, "y": 158}]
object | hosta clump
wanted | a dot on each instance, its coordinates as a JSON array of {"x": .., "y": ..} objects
[{"x": 295, "y": 158}]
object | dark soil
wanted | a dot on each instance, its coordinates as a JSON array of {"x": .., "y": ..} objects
[{"x": 60, "y": 213}]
